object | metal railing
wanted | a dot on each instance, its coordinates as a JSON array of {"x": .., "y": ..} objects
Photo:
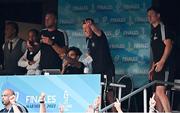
[{"x": 144, "y": 89}]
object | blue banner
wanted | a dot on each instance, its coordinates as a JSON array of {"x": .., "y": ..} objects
[
  {"x": 74, "y": 92},
  {"x": 125, "y": 25}
]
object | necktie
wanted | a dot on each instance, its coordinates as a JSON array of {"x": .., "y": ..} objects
[{"x": 11, "y": 47}]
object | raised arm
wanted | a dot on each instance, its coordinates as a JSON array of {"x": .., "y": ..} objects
[
  {"x": 13, "y": 103},
  {"x": 42, "y": 108},
  {"x": 117, "y": 105},
  {"x": 94, "y": 28},
  {"x": 59, "y": 50}
]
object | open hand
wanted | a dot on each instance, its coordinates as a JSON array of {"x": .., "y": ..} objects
[
  {"x": 117, "y": 105},
  {"x": 152, "y": 101},
  {"x": 158, "y": 66},
  {"x": 46, "y": 40},
  {"x": 12, "y": 99},
  {"x": 42, "y": 96}
]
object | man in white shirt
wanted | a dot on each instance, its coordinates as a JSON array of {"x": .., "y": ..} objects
[{"x": 31, "y": 58}]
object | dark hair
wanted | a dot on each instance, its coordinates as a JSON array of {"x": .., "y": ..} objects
[
  {"x": 76, "y": 50},
  {"x": 36, "y": 32},
  {"x": 51, "y": 12},
  {"x": 14, "y": 25},
  {"x": 84, "y": 21},
  {"x": 154, "y": 9}
]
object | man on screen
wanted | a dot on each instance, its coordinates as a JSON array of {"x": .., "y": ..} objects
[{"x": 10, "y": 104}]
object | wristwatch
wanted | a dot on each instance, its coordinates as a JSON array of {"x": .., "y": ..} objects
[{"x": 41, "y": 102}]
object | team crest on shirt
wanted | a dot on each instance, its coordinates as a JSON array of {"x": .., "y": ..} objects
[
  {"x": 53, "y": 37},
  {"x": 93, "y": 44},
  {"x": 31, "y": 53},
  {"x": 155, "y": 37}
]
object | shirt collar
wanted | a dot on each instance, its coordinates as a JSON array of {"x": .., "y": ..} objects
[{"x": 14, "y": 39}]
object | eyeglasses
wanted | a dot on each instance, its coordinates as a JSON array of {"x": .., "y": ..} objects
[{"x": 4, "y": 95}]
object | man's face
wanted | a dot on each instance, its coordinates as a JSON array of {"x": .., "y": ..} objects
[
  {"x": 5, "y": 97},
  {"x": 9, "y": 32},
  {"x": 31, "y": 36},
  {"x": 72, "y": 55},
  {"x": 31, "y": 41},
  {"x": 153, "y": 17},
  {"x": 50, "y": 21},
  {"x": 87, "y": 31}
]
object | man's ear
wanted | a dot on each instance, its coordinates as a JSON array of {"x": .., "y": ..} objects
[
  {"x": 55, "y": 21},
  {"x": 77, "y": 57},
  {"x": 158, "y": 15},
  {"x": 14, "y": 31}
]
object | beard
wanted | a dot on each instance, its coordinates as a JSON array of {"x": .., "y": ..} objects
[
  {"x": 9, "y": 36},
  {"x": 50, "y": 25},
  {"x": 3, "y": 102}
]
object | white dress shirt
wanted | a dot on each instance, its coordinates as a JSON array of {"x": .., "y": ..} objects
[{"x": 31, "y": 69}]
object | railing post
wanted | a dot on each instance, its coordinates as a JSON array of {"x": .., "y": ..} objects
[
  {"x": 120, "y": 89},
  {"x": 137, "y": 91},
  {"x": 145, "y": 100}
]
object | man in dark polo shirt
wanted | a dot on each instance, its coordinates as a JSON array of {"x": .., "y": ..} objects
[
  {"x": 53, "y": 43},
  {"x": 98, "y": 47},
  {"x": 161, "y": 44}
]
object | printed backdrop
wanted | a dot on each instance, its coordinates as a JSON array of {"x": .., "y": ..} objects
[
  {"x": 74, "y": 92},
  {"x": 125, "y": 25}
]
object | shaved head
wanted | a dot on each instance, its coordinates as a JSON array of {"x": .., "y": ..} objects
[
  {"x": 9, "y": 91},
  {"x": 5, "y": 96}
]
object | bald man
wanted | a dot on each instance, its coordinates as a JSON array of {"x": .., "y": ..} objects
[{"x": 9, "y": 102}]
